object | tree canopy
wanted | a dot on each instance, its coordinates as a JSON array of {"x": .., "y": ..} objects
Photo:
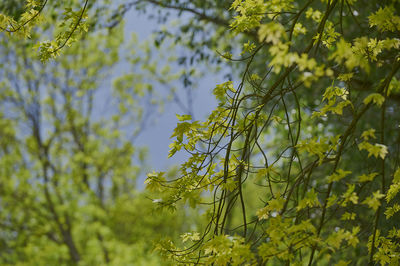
[
  {"x": 300, "y": 158},
  {"x": 298, "y": 163}
]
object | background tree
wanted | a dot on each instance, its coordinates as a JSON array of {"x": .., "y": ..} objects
[{"x": 69, "y": 157}]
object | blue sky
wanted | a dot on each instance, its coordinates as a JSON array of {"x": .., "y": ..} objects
[{"x": 157, "y": 136}]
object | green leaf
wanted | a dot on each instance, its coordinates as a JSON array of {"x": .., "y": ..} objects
[
  {"x": 338, "y": 175},
  {"x": 376, "y": 98},
  {"x": 374, "y": 200},
  {"x": 367, "y": 178}
]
